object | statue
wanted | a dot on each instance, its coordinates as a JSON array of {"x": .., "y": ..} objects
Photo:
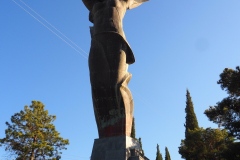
[{"x": 109, "y": 57}]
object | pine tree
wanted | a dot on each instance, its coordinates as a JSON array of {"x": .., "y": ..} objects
[
  {"x": 32, "y": 134},
  {"x": 167, "y": 154},
  {"x": 191, "y": 119},
  {"x": 133, "y": 131},
  {"x": 206, "y": 144},
  {"x": 158, "y": 155},
  {"x": 226, "y": 113}
]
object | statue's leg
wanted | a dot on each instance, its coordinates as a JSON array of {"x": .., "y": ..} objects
[
  {"x": 113, "y": 105},
  {"x": 119, "y": 67},
  {"x": 98, "y": 78}
]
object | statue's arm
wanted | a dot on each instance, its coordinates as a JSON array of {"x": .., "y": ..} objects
[
  {"x": 89, "y": 3},
  {"x": 135, "y": 3}
]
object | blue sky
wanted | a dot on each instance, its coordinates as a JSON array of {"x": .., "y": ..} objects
[{"x": 178, "y": 44}]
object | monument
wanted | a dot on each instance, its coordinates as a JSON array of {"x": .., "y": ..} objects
[{"x": 109, "y": 57}]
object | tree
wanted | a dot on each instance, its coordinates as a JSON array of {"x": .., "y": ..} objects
[
  {"x": 232, "y": 153},
  {"x": 190, "y": 125},
  {"x": 191, "y": 119},
  {"x": 31, "y": 135},
  {"x": 226, "y": 113},
  {"x": 140, "y": 142},
  {"x": 133, "y": 131},
  {"x": 159, "y": 155},
  {"x": 206, "y": 144},
  {"x": 167, "y": 154},
  {"x": 202, "y": 143}
]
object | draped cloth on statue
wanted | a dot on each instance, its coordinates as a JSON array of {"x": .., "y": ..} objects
[{"x": 112, "y": 100}]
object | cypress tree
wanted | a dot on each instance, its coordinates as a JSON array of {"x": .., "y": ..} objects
[
  {"x": 191, "y": 119},
  {"x": 159, "y": 155},
  {"x": 167, "y": 154},
  {"x": 191, "y": 124},
  {"x": 133, "y": 131},
  {"x": 140, "y": 142}
]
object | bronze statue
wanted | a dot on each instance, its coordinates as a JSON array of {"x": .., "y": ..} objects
[{"x": 109, "y": 57}]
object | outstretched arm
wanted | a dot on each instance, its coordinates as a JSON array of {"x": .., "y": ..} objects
[
  {"x": 89, "y": 3},
  {"x": 135, "y": 3}
]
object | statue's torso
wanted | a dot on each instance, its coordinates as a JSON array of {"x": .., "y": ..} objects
[
  {"x": 107, "y": 18},
  {"x": 108, "y": 15}
]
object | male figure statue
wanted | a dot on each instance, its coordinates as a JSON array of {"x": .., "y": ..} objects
[{"x": 109, "y": 57}]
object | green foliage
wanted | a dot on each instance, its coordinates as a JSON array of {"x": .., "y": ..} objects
[
  {"x": 227, "y": 112},
  {"x": 133, "y": 131},
  {"x": 31, "y": 134},
  {"x": 199, "y": 143},
  {"x": 229, "y": 81},
  {"x": 233, "y": 151},
  {"x": 190, "y": 125},
  {"x": 167, "y": 154},
  {"x": 140, "y": 142},
  {"x": 158, "y": 155},
  {"x": 205, "y": 144},
  {"x": 191, "y": 119}
]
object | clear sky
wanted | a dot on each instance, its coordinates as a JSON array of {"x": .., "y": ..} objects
[{"x": 178, "y": 44}]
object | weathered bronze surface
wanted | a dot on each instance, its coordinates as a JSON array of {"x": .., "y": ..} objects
[{"x": 109, "y": 57}]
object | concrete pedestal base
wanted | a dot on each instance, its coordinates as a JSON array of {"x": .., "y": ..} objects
[{"x": 114, "y": 148}]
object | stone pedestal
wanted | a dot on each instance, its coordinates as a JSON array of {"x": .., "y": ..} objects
[{"x": 114, "y": 148}]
